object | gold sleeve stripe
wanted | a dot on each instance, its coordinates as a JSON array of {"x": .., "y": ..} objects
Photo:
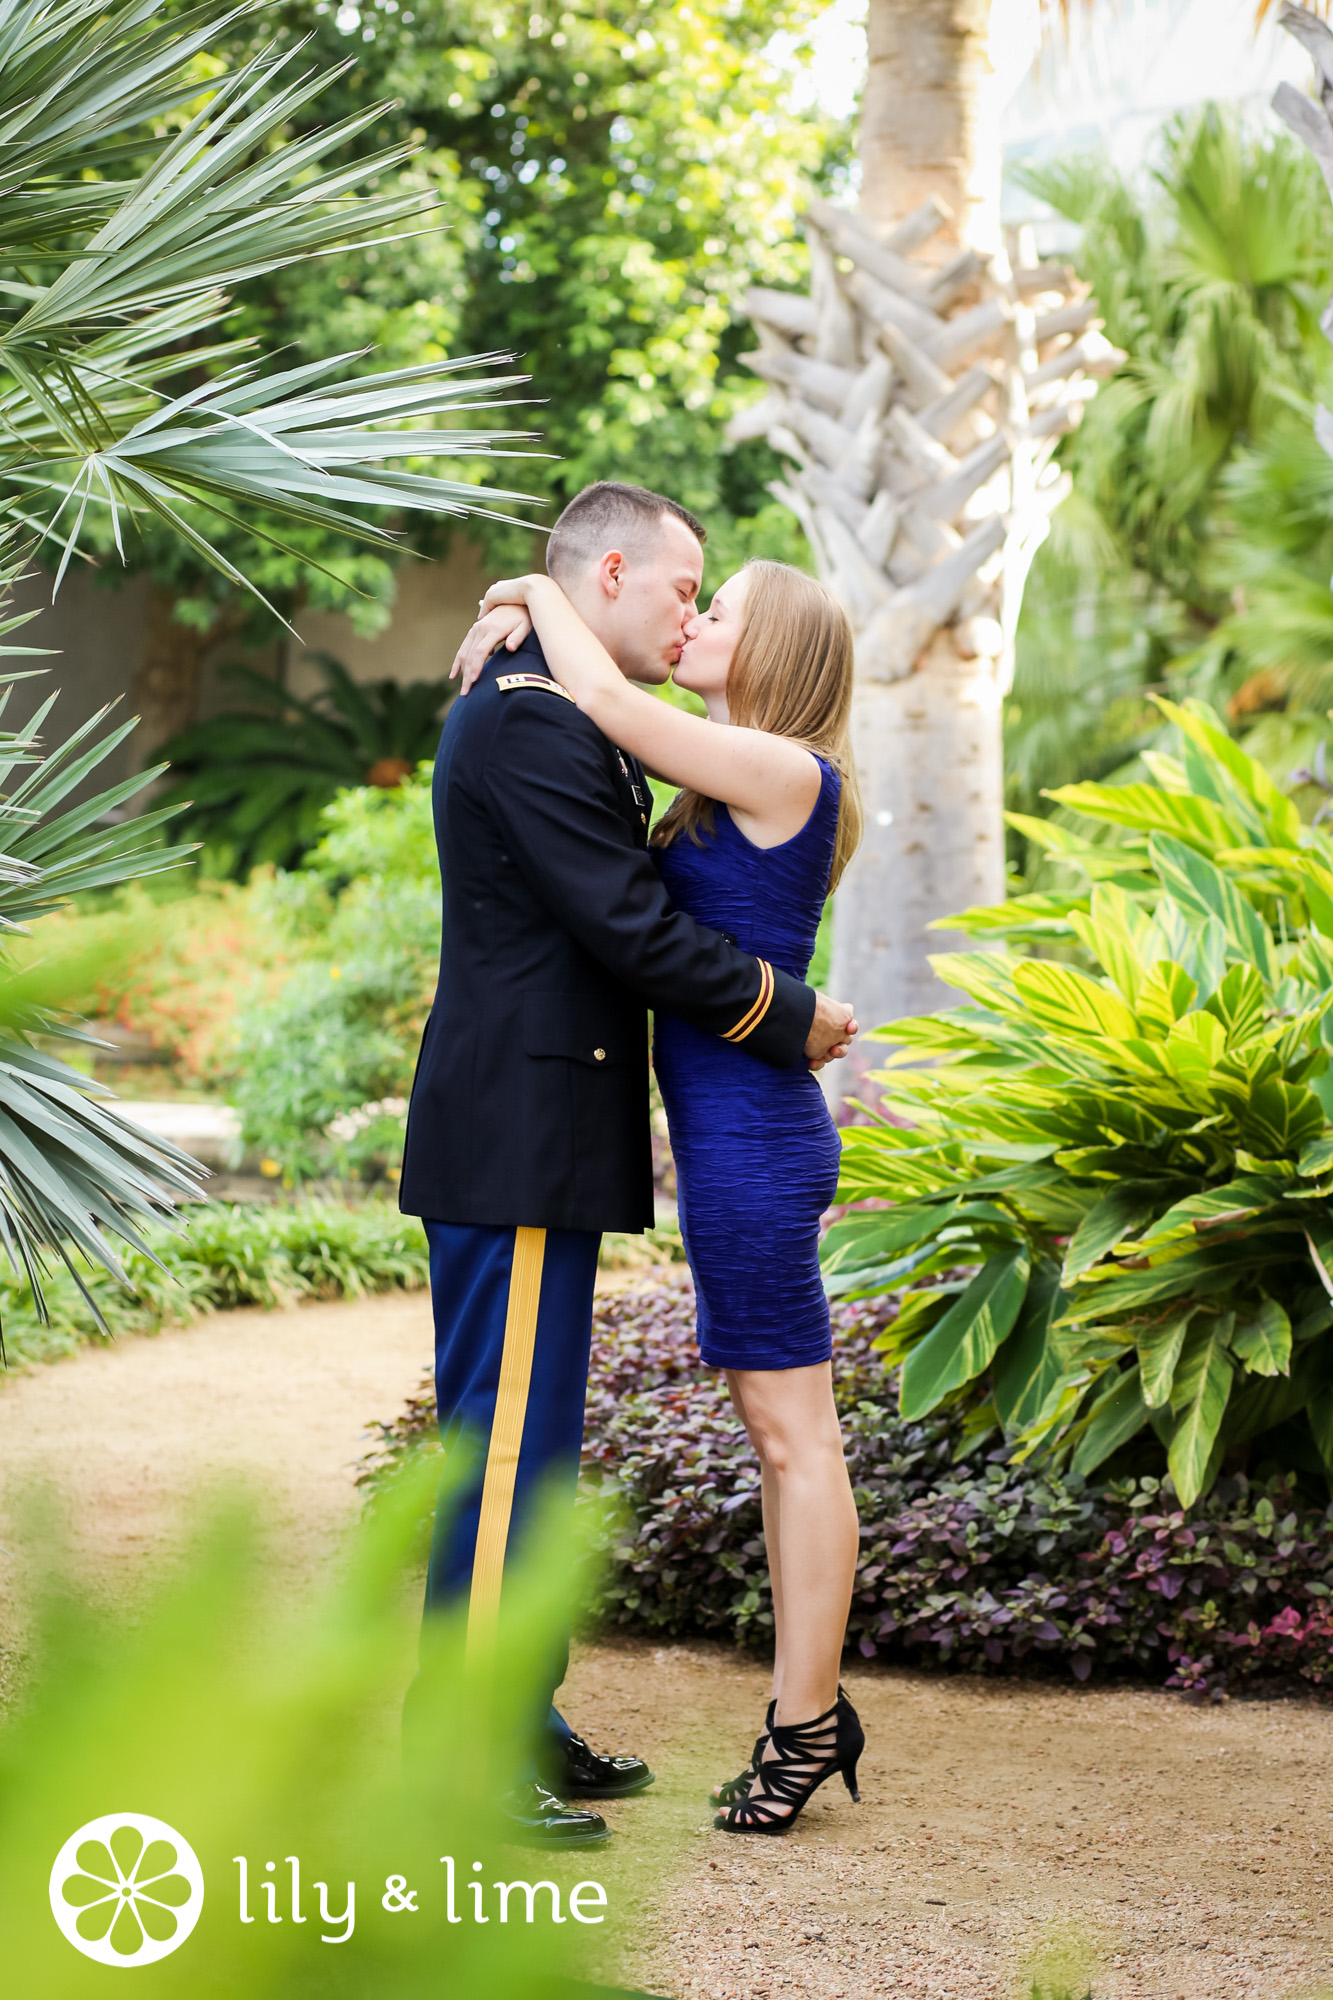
[
  {"x": 507, "y": 681},
  {"x": 749, "y": 1022},
  {"x": 511, "y": 1408}
]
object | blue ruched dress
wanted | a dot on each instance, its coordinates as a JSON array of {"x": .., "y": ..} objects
[{"x": 755, "y": 1149}]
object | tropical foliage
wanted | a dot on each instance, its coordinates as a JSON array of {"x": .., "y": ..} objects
[
  {"x": 112, "y": 302},
  {"x": 1197, "y": 546},
  {"x": 980, "y": 1564},
  {"x": 1112, "y": 1186},
  {"x": 253, "y": 782},
  {"x": 322, "y": 1066}
]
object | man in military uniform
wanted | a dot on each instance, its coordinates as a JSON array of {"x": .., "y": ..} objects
[{"x": 528, "y": 1129}]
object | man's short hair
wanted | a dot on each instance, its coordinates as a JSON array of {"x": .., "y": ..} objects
[{"x": 610, "y": 515}]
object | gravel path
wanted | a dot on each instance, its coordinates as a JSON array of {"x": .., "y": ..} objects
[
  {"x": 1178, "y": 1851},
  {"x": 1188, "y": 1853},
  {"x": 125, "y": 1435}
]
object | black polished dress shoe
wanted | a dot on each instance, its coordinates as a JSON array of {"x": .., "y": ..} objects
[
  {"x": 582, "y": 1774},
  {"x": 535, "y": 1817}
]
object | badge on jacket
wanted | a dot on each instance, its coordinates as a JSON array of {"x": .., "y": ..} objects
[{"x": 635, "y": 792}]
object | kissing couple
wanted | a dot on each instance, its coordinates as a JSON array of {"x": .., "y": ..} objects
[{"x": 565, "y": 918}]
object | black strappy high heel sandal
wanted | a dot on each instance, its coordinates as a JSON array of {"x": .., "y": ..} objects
[
  {"x": 801, "y": 1756},
  {"x": 736, "y": 1788}
]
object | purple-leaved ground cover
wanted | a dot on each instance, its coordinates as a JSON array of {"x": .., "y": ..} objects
[{"x": 978, "y": 1563}]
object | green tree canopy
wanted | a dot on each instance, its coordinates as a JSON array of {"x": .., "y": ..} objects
[
  {"x": 612, "y": 176},
  {"x": 1197, "y": 545}
]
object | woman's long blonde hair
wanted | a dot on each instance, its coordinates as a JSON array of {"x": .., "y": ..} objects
[{"x": 791, "y": 674}]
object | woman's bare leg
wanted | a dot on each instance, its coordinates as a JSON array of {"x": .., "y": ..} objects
[
  {"x": 793, "y": 1425},
  {"x": 772, "y": 1506},
  {"x": 770, "y": 1501}
]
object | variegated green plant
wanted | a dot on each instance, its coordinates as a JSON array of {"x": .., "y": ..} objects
[{"x": 1112, "y": 1170}]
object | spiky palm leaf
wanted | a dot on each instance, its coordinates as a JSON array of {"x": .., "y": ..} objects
[
  {"x": 75, "y": 1176},
  {"x": 86, "y": 344},
  {"x": 109, "y": 288}
]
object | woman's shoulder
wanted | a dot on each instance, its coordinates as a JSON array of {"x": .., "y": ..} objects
[{"x": 830, "y": 776}]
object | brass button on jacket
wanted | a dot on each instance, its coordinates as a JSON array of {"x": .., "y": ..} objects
[{"x": 599, "y": 1055}]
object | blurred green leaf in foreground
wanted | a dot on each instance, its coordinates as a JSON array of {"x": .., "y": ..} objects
[{"x": 259, "y": 1723}]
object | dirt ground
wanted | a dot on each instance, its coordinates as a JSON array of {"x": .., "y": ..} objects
[{"x": 1186, "y": 1852}]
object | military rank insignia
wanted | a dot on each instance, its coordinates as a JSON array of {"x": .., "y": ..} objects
[{"x": 508, "y": 682}]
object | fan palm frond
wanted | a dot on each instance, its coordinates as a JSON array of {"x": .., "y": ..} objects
[
  {"x": 84, "y": 417},
  {"x": 111, "y": 285}
]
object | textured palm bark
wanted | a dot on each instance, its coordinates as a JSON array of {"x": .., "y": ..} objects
[
  {"x": 918, "y": 394},
  {"x": 927, "y": 124},
  {"x": 929, "y": 758}
]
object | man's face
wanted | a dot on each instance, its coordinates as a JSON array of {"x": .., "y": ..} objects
[{"x": 646, "y": 602}]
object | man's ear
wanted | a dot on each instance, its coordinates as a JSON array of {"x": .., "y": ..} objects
[{"x": 611, "y": 573}]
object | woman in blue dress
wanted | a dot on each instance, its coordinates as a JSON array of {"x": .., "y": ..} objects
[{"x": 765, "y": 821}]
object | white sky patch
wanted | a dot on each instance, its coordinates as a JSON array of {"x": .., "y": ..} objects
[
  {"x": 1129, "y": 65},
  {"x": 836, "y": 71},
  {"x": 1124, "y": 68}
]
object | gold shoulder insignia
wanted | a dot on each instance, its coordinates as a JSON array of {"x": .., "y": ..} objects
[{"x": 506, "y": 682}]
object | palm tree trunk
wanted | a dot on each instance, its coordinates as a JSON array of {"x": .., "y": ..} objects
[
  {"x": 927, "y": 127},
  {"x": 919, "y": 393},
  {"x": 928, "y": 747}
]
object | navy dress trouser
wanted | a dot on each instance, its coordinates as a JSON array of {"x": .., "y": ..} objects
[{"x": 513, "y": 1330}]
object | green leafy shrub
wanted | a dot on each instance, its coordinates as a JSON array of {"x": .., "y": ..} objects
[
  {"x": 979, "y": 1564},
  {"x": 253, "y": 783},
  {"x": 259, "y": 1716},
  {"x": 227, "y": 1255},
  {"x": 1136, "y": 1159},
  {"x": 173, "y": 967},
  {"x": 324, "y": 1066}
]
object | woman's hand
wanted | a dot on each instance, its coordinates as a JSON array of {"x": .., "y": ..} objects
[
  {"x": 508, "y": 625},
  {"x": 510, "y": 590}
]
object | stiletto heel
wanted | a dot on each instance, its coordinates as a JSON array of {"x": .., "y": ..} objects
[
  {"x": 800, "y": 1756},
  {"x": 736, "y": 1788}
]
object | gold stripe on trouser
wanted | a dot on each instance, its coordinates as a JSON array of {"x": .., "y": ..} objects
[{"x": 511, "y": 1408}]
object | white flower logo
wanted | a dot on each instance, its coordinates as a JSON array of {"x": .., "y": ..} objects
[{"x": 126, "y": 1889}]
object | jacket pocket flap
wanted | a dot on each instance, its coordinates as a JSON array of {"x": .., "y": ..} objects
[{"x": 574, "y": 1026}]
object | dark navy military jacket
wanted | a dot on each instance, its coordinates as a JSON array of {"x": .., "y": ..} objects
[{"x": 530, "y": 1103}]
